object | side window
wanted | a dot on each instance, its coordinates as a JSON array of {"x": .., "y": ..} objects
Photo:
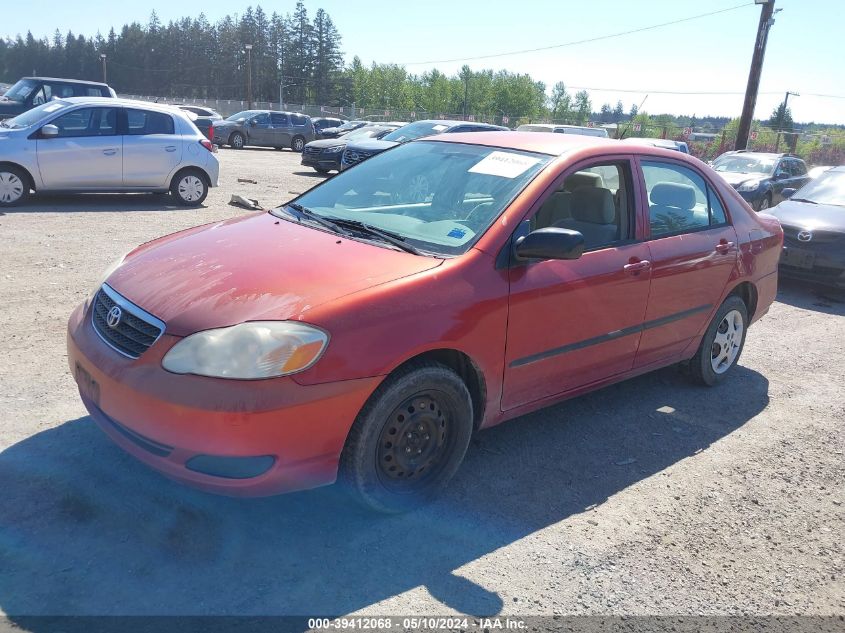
[
  {"x": 800, "y": 168},
  {"x": 299, "y": 119},
  {"x": 87, "y": 122},
  {"x": 679, "y": 200},
  {"x": 61, "y": 91},
  {"x": 262, "y": 119},
  {"x": 594, "y": 201},
  {"x": 143, "y": 122},
  {"x": 279, "y": 120},
  {"x": 92, "y": 92},
  {"x": 42, "y": 95}
]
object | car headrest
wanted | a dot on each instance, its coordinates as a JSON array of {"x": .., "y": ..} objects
[
  {"x": 582, "y": 179},
  {"x": 594, "y": 205},
  {"x": 672, "y": 194}
]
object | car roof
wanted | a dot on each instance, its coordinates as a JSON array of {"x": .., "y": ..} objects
[
  {"x": 71, "y": 81},
  {"x": 112, "y": 101},
  {"x": 539, "y": 142}
]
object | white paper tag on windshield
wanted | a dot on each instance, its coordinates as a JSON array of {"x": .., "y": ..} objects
[
  {"x": 440, "y": 128},
  {"x": 54, "y": 106},
  {"x": 504, "y": 164}
]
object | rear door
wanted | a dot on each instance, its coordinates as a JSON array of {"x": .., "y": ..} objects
[
  {"x": 87, "y": 154},
  {"x": 151, "y": 148},
  {"x": 692, "y": 249}
]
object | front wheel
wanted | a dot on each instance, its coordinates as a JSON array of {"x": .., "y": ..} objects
[
  {"x": 409, "y": 439},
  {"x": 14, "y": 186},
  {"x": 722, "y": 343},
  {"x": 237, "y": 141},
  {"x": 765, "y": 203},
  {"x": 189, "y": 188},
  {"x": 297, "y": 144}
]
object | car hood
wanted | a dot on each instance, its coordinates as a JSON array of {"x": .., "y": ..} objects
[
  {"x": 735, "y": 179},
  {"x": 327, "y": 142},
  {"x": 256, "y": 267},
  {"x": 811, "y": 216},
  {"x": 371, "y": 145}
]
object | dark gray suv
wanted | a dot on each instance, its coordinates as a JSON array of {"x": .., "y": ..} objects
[
  {"x": 31, "y": 92},
  {"x": 265, "y": 128}
]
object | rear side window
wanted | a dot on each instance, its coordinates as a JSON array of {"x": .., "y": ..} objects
[
  {"x": 92, "y": 92},
  {"x": 680, "y": 201},
  {"x": 299, "y": 119},
  {"x": 142, "y": 122},
  {"x": 277, "y": 119},
  {"x": 87, "y": 122}
]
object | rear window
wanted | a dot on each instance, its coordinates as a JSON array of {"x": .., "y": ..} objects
[
  {"x": 140, "y": 122},
  {"x": 277, "y": 118},
  {"x": 299, "y": 119}
]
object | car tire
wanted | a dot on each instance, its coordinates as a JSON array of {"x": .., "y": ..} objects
[
  {"x": 297, "y": 144},
  {"x": 722, "y": 343},
  {"x": 14, "y": 186},
  {"x": 408, "y": 440},
  {"x": 237, "y": 141},
  {"x": 321, "y": 170},
  {"x": 189, "y": 187},
  {"x": 765, "y": 203}
]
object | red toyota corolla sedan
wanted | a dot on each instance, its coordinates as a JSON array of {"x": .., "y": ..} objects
[{"x": 365, "y": 330}]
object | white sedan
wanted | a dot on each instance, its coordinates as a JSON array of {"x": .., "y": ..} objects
[{"x": 94, "y": 144}]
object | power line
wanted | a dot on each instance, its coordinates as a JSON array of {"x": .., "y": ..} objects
[{"x": 576, "y": 42}]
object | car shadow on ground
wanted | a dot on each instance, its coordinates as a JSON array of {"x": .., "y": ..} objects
[
  {"x": 99, "y": 203},
  {"x": 312, "y": 174},
  {"x": 808, "y": 296},
  {"x": 85, "y": 529}
]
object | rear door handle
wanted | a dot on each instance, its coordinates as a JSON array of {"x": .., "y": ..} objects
[
  {"x": 109, "y": 152},
  {"x": 170, "y": 148},
  {"x": 724, "y": 247},
  {"x": 635, "y": 267}
]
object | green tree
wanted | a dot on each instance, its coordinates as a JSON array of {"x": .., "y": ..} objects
[{"x": 583, "y": 107}]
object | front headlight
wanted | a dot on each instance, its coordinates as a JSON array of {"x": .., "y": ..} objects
[
  {"x": 248, "y": 351},
  {"x": 749, "y": 185},
  {"x": 334, "y": 150}
]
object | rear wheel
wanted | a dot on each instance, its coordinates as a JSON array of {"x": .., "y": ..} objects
[
  {"x": 14, "y": 186},
  {"x": 409, "y": 439},
  {"x": 722, "y": 344},
  {"x": 765, "y": 203},
  {"x": 189, "y": 188},
  {"x": 297, "y": 144},
  {"x": 237, "y": 140},
  {"x": 321, "y": 170}
]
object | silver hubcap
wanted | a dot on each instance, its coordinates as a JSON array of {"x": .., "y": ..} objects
[
  {"x": 11, "y": 187},
  {"x": 237, "y": 142},
  {"x": 191, "y": 188},
  {"x": 298, "y": 144},
  {"x": 727, "y": 342}
]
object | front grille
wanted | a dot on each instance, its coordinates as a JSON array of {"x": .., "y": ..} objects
[
  {"x": 135, "y": 330},
  {"x": 352, "y": 157},
  {"x": 311, "y": 151},
  {"x": 790, "y": 236}
]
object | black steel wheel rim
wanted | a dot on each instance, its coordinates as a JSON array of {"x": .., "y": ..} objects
[{"x": 415, "y": 442}]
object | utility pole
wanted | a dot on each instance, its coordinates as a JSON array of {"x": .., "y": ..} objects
[
  {"x": 763, "y": 27},
  {"x": 781, "y": 115},
  {"x": 103, "y": 57},
  {"x": 248, "y": 48}
]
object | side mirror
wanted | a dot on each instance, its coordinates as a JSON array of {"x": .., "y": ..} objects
[
  {"x": 49, "y": 131},
  {"x": 253, "y": 123},
  {"x": 550, "y": 243},
  {"x": 788, "y": 192}
]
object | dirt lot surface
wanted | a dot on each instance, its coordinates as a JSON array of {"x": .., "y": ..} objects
[{"x": 649, "y": 497}]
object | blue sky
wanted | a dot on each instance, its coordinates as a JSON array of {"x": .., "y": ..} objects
[{"x": 805, "y": 52}]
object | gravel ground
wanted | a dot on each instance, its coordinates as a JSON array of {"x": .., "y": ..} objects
[{"x": 649, "y": 497}]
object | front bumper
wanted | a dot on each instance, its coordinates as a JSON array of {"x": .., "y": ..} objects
[
  {"x": 266, "y": 437},
  {"x": 322, "y": 161}
]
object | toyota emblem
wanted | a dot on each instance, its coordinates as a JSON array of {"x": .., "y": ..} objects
[
  {"x": 113, "y": 317},
  {"x": 805, "y": 236}
]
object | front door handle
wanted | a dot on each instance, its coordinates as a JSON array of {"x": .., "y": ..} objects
[
  {"x": 724, "y": 247},
  {"x": 110, "y": 152},
  {"x": 636, "y": 267},
  {"x": 170, "y": 148}
]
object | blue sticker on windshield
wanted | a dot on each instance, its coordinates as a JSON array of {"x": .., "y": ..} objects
[{"x": 456, "y": 233}]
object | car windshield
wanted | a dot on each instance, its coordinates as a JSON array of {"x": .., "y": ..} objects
[
  {"x": 349, "y": 125},
  {"x": 21, "y": 90},
  {"x": 829, "y": 188},
  {"x": 242, "y": 115},
  {"x": 415, "y": 130},
  {"x": 363, "y": 132},
  {"x": 436, "y": 197},
  {"x": 31, "y": 117},
  {"x": 740, "y": 164}
]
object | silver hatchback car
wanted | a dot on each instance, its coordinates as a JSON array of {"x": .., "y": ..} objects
[{"x": 95, "y": 144}]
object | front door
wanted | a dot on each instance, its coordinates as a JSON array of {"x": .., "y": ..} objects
[
  {"x": 87, "y": 153},
  {"x": 280, "y": 122},
  {"x": 692, "y": 248},
  {"x": 574, "y": 322},
  {"x": 151, "y": 149}
]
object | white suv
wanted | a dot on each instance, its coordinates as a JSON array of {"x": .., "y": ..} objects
[{"x": 95, "y": 144}]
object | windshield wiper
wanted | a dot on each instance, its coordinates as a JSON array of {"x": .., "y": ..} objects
[
  {"x": 395, "y": 239},
  {"x": 804, "y": 200},
  {"x": 316, "y": 217}
]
